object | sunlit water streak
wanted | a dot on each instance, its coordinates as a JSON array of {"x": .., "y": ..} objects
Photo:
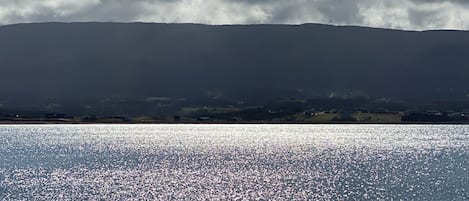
[{"x": 228, "y": 162}]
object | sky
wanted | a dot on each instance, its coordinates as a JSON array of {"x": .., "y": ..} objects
[{"x": 397, "y": 14}]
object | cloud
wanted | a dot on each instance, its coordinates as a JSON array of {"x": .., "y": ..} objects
[{"x": 402, "y": 14}]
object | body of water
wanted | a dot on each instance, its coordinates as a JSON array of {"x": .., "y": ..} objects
[{"x": 229, "y": 162}]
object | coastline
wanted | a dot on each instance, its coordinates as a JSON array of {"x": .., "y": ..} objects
[{"x": 35, "y": 122}]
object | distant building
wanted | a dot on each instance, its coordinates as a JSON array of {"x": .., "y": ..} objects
[
  {"x": 456, "y": 114},
  {"x": 313, "y": 112}
]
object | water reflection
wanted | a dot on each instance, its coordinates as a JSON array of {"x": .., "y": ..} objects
[{"x": 219, "y": 162}]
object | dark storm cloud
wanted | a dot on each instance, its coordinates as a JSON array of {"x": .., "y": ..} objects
[{"x": 406, "y": 14}]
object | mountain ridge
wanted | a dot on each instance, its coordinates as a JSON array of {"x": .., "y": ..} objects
[
  {"x": 228, "y": 25},
  {"x": 101, "y": 60}
]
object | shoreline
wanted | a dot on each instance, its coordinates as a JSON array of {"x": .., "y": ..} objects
[{"x": 22, "y": 122}]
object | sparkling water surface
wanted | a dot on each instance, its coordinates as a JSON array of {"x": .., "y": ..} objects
[{"x": 234, "y": 162}]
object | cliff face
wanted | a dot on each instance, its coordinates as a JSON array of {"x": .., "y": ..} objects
[{"x": 103, "y": 60}]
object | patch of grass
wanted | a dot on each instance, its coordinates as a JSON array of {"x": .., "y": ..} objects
[
  {"x": 190, "y": 110},
  {"x": 207, "y": 110},
  {"x": 315, "y": 119},
  {"x": 377, "y": 117}
]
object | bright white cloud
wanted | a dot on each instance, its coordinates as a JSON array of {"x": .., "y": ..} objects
[
  {"x": 205, "y": 11},
  {"x": 406, "y": 14},
  {"x": 403, "y": 14}
]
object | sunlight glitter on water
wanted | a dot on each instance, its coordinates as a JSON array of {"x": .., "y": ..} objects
[{"x": 220, "y": 162}]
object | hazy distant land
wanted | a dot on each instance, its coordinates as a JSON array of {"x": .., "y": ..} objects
[{"x": 282, "y": 110}]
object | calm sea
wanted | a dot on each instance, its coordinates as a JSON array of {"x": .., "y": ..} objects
[{"x": 229, "y": 162}]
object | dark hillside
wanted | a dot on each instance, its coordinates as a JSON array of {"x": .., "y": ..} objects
[{"x": 113, "y": 60}]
